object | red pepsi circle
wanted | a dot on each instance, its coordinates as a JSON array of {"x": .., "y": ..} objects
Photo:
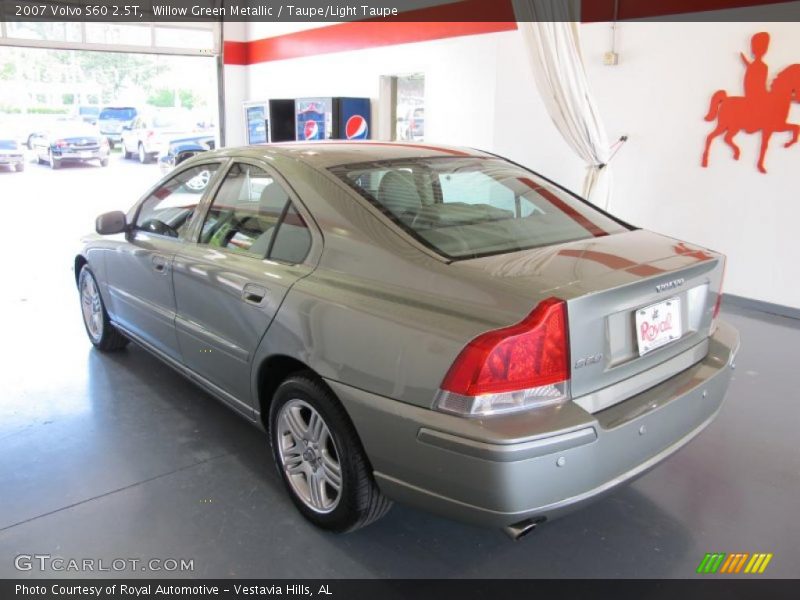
[
  {"x": 311, "y": 130},
  {"x": 356, "y": 128}
]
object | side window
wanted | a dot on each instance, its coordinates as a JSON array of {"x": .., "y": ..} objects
[
  {"x": 169, "y": 209},
  {"x": 293, "y": 240},
  {"x": 245, "y": 211}
]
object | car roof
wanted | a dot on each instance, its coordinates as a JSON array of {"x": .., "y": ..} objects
[{"x": 327, "y": 154}]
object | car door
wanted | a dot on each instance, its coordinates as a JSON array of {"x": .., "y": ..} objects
[
  {"x": 252, "y": 246},
  {"x": 139, "y": 270}
]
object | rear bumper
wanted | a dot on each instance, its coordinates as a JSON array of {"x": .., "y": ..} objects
[
  {"x": 81, "y": 155},
  {"x": 504, "y": 470},
  {"x": 11, "y": 159}
]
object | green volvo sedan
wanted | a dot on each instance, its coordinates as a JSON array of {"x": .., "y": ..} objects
[{"x": 432, "y": 325}]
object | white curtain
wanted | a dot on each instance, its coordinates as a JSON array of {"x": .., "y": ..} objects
[{"x": 549, "y": 29}]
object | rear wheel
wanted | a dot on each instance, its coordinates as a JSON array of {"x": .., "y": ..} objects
[
  {"x": 103, "y": 162},
  {"x": 101, "y": 332},
  {"x": 320, "y": 458}
]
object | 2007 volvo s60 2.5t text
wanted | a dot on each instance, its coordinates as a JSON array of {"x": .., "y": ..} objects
[{"x": 432, "y": 325}]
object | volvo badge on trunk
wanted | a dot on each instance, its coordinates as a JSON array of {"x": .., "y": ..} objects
[{"x": 669, "y": 285}]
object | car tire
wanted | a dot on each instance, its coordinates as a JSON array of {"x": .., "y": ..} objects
[
  {"x": 103, "y": 162},
  {"x": 103, "y": 335},
  {"x": 125, "y": 154},
  {"x": 144, "y": 157},
  {"x": 20, "y": 167},
  {"x": 304, "y": 407},
  {"x": 54, "y": 162},
  {"x": 30, "y": 142}
]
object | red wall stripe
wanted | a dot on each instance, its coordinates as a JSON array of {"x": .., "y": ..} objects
[
  {"x": 422, "y": 25},
  {"x": 235, "y": 53}
]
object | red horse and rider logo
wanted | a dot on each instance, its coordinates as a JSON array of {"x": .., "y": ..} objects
[{"x": 761, "y": 108}]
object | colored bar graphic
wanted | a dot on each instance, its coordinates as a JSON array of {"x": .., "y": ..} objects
[
  {"x": 741, "y": 562},
  {"x": 733, "y": 563},
  {"x": 711, "y": 562}
]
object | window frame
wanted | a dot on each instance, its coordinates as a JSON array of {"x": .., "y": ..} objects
[
  {"x": 201, "y": 202},
  {"x": 292, "y": 197}
]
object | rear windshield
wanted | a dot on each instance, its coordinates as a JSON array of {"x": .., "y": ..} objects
[
  {"x": 119, "y": 114},
  {"x": 471, "y": 207}
]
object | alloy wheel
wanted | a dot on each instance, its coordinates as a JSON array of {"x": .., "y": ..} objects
[
  {"x": 92, "y": 308},
  {"x": 309, "y": 456}
]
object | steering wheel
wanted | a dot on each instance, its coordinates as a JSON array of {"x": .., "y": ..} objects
[{"x": 159, "y": 228}]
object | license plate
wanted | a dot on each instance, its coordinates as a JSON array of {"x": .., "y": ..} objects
[
  {"x": 658, "y": 324},
  {"x": 85, "y": 154}
]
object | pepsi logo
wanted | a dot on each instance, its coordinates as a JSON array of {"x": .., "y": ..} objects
[
  {"x": 356, "y": 128},
  {"x": 311, "y": 130}
]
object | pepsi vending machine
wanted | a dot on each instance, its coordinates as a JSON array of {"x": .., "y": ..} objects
[
  {"x": 353, "y": 118},
  {"x": 314, "y": 118},
  {"x": 332, "y": 118}
]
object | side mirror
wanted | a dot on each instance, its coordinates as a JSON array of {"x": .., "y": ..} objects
[{"x": 111, "y": 222}]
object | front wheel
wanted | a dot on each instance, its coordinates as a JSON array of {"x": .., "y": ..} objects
[
  {"x": 320, "y": 458},
  {"x": 144, "y": 157},
  {"x": 101, "y": 332}
]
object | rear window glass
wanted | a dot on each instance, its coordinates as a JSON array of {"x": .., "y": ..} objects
[
  {"x": 470, "y": 207},
  {"x": 120, "y": 114}
]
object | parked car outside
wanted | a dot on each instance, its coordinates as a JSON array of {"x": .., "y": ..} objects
[
  {"x": 113, "y": 119},
  {"x": 183, "y": 148},
  {"x": 11, "y": 153},
  {"x": 87, "y": 113},
  {"x": 71, "y": 142},
  {"x": 433, "y": 325},
  {"x": 150, "y": 133}
]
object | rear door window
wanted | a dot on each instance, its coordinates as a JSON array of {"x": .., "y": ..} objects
[{"x": 252, "y": 215}]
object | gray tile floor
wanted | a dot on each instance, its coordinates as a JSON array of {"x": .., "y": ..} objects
[{"x": 117, "y": 456}]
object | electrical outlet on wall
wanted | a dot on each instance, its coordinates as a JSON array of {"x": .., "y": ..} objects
[{"x": 610, "y": 58}]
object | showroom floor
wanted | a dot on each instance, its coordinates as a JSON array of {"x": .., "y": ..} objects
[{"x": 117, "y": 456}]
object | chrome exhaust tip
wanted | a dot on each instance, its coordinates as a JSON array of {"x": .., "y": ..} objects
[{"x": 521, "y": 529}]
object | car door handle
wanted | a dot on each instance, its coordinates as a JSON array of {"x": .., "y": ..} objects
[
  {"x": 159, "y": 263},
  {"x": 254, "y": 294}
]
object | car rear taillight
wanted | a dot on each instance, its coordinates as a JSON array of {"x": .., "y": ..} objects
[
  {"x": 150, "y": 134},
  {"x": 718, "y": 303},
  {"x": 60, "y": 143},
  {"x": 510, "y": 369}
]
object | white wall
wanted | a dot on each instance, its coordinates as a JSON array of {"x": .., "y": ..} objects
[
  {"x": 480, "y": 93},
  {"x": 658, "y": 95}
]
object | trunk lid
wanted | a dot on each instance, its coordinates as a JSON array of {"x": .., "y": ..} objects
[{"x": 605, "y": 280}]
